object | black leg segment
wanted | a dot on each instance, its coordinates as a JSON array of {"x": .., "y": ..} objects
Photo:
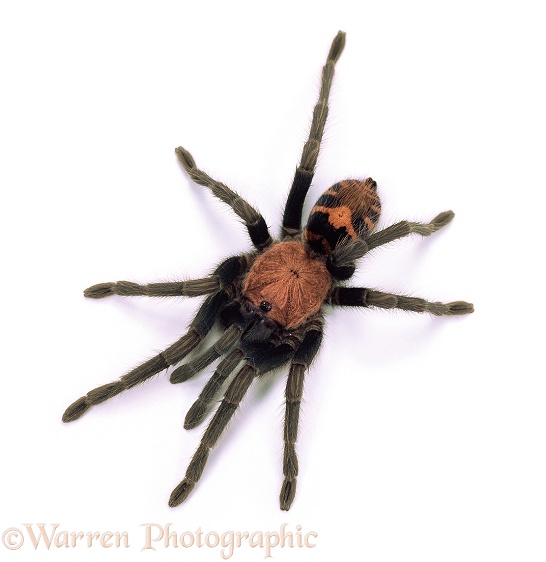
[
  {"x": 357, "y": 296},
  {"x": 253, "y": 220},
  {"x": 201, "y": 325},
  {"x": 303, "y": 177}
]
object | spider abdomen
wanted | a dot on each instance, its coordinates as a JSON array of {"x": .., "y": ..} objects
[
  {"x": 348, "y": 209},
  {"x": 287, "y": 284}
]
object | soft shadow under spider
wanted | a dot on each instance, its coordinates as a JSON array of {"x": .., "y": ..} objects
[{"x": 269, "y": 301}]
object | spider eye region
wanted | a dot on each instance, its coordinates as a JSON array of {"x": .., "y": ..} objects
[{"x": 287, "y": 283}]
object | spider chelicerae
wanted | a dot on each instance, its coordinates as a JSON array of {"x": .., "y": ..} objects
[{"x": 269, "y": 302}]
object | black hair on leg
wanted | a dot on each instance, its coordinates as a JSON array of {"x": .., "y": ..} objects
[
  {"x": 200, "y": 326},
  {"x": 291, "y": 223},
  {"x": 186, "y": 371},
  {"x": 254, "y": 222},
  {"x": 257, "y": 364},
  {"x": 357, "y": 296}
]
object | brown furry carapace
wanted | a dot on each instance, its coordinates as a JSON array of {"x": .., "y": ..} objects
[{"x": 290, "y": 281}]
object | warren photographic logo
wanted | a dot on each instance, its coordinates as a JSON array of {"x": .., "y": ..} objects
[{"x": 154, "y": 536}]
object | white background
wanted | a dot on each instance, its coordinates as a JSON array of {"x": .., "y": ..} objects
[{"x": 421, "y": 438}]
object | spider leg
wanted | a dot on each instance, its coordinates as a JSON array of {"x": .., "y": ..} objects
[
  {"x": 356, "y": 296},
  {"x": 403, "y": 228},
  {"x": 219, "y": 348},
  {"x": 344, "y": 255},
  {"x": 253, "y": 220},
  {"x": 200, "y": 326},
  {"x": 303, "y": 177},
  {"x": 210, "y": 391},
  {"x": 260, "y": 360},
  {"x": 232, "y": 398},
  {"x": 191, "y": 288},
  {"x": 293, "y": 393},
  {"x": 235, "y": 325},
  {"x": 224, "y": 274}
]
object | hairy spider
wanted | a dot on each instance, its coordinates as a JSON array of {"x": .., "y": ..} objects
[{"x": 270, "y": 301}]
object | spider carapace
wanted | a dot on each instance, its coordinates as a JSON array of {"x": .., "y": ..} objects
[{"x": 269, "y": 302}]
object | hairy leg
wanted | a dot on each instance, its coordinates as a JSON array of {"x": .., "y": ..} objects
[
  {"x": 222, "y": 276},
  {"x": 344, "y": 255},
  {"x": 303, "y": 177},
  {"x": 210, "y": 391},
  {"x": 254, "y": 222},
  {"x": 258, "y": 362},
  {"x": 201, "y": 325},
  {"x": 357, "y": 296},
  {"x": 232, "y": 398},
  {"x": 293, "y": 393},
  {"x": 226, "y": 341},
  {"x": 191, "y": 288}
]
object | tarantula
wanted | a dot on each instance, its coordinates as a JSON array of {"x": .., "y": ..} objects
[{"x": 269, "y": 301}]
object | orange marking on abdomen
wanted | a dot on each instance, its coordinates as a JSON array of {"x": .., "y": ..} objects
[{"x": 339, "y": 217}]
